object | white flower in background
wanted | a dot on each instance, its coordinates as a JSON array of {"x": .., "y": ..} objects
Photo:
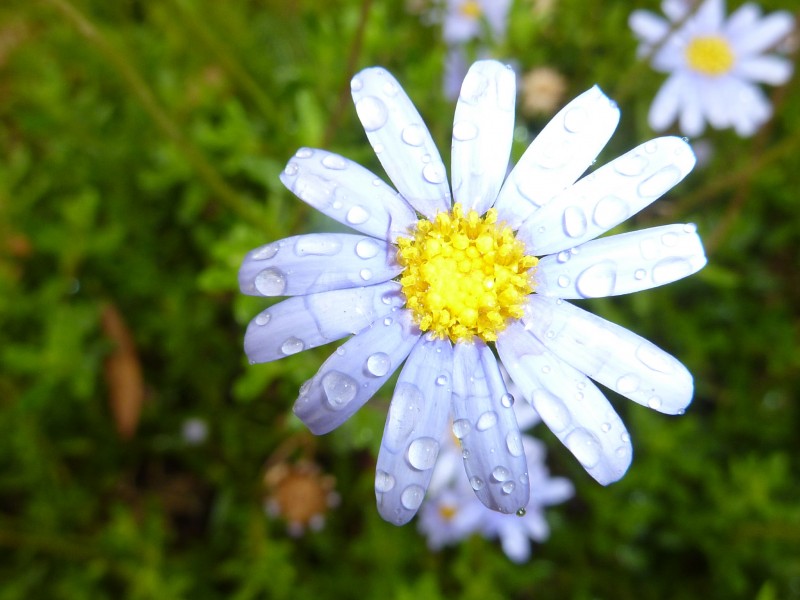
[
  {"x": 435, "y": 282},
  {"x": 714, "y": 64},
  {"x": 452, "y": 512}
]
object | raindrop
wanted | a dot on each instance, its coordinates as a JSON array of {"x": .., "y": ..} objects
[
  {"x": 659, "y": 182},
  {"x": 304, "y": 153},
  {"x": 317, "y": 245},
  {"x": 690, "y": 228},
  {"x": 585, "y": 446},
  {"x": 486, "y": 421},
  {"x": 266, "y": 252},
  {"x": 605, "y": 427},
  {"x": 367, "y": 249},
  {"x": 654, "y": 358},
  {"x": 563, "y": 256},
  {"x": 621, "y": 451},
  {"x": 507, "y": 400},
  {"x": 356, "y": 84},
  {"x": 390, "y": 88},
  {"x": 598, "y": 280},
  {"x": 378, "y": 364},
  {"x": 404, "y": 413},
  {"x": 521, "y": 512},
  {"x": 411, "y": 497},
  {"x": 630, "y": 165},
  {"x": 271, "y": 282},
  {"x": 464, "y": 131},
  {"x": 461, "y": 428},
  {"x": 333, "y": 161},
  {"x": 575, "y": 119},
  {"x": 340, "y": 351},
  {"x": 291, "y": 169},
  {"x": 563, "y": 281},
  {"x": 514, "y": 444},
  {"x": 340, "y": 389},
  {"x": 546, "y": 369},
  {"x": 263, "y": 318},
  {"x": 669, "y": 239},
  {"x": 654, "y": 402},
  {"x": 501, "y": 474},
  {"x": 377, "y": 148},
  {"x": 552, "y": 410},
  {"x": 508, "y": 487},
  {"x": 292, "y": 345},
  {"x": 651, "y": 147},
  {"x": 625, "y": 437},
  {"x": 574, "y": 221},
  {"x": 640, "y": 274},
  {"x": 434, "y": 172},
  {"x": 365, "y": 274},
  {"x": 372, "y": 113},
  {"x": 476, "y": 483},
  {"x": 357, "y": 215},
  {"x": 413, "y": 135},
  {"x": 441, "y": 380},
  {"x": 388, "y": 321},
  {"x": 384, "y": 482},
  {"x": 422, "y": 453},
  {"x": 610, "y": 211},
  {"x": 671, "y": 269}
]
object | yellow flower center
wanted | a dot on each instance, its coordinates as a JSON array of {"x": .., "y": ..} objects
[
  {"x": 710, "y": 55},
  {"x": 447, "y": 512},
  {"x": 471, "y": 9},
  {"x": 464, "y": 275}
]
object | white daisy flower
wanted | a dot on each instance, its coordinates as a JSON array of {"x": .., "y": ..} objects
[
  {"x": 714, "y": 64},
  {"x": 435, "y": 283},
  {"x": 464, "y": 19}
]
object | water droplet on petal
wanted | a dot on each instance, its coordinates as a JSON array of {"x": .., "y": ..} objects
[
  {"x": 378, "y": 364},
  {"x": 291, "y": 169},
  {"x": 654, "y": 358},
  {"x": 508, "y": 487},
  {"x": 335, "y": 162},
  {"x": 356, "y": 84},
  {"x": 304, "y": 153},
  {"x": 486, "y": 421},
  {"x": 476, "y": 483},
  {"x": 464, "y": 131},
  {"x": 659, "y": 182},
  {"x": 605, "y": 427},
  {"x": 501, "y": 474},
  {"x": 654, "y": 402},
  {"x": 266, "y": 252},
  {"x": 390, "y": 88},
  {"x": 422, "y": 453},
  {"x": 552, "y": 410},
  {"x": 317, "y": 245},
  {"x": 461, "y": 427},
  {"x": 263, "y": 317},
  {"x": 507, "y": 400},
  {"x": 610, "y": 211},
  {"x": 413, "y": 135},
  {"x": 574, "y": 221},
  {"x": 521, "y": 512},
  {"x": 671, "y": 269},
  {"x": 563, "y": 256},
  {"x": 357, "y": 215},
  {"x": 630, "y": 165},
  {"x": 384, "y": 482},
  {"x": 639, "y": 274},
  {"x": 563, "y": 281},
  {"x": 340, "y": 389},
  {"x": 271, "y": 282},
  {"x": 372, "y": 113},
  {"x": 627, "y": 384},
  {"x": 514, "y": 444},
  {"x": 365, "y": 274},
  {"x": 625, "y": 437},
  {"x": 412, "y": 497},
  {"x": 434, "y": 172},
  {"x": 292, "y": 345},
  {"x": 669, "y": 239},
  {"x": 575, "y": 119},
  {"x": 441, "y": 380},
  {"x": 585, "y": 446},
  {"x": 598, "y": 280},
  {"x": 367, "y": 249}
]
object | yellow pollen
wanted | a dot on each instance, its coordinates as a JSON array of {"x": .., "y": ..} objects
[
  {"x": 447, "y": 512},
  {"x": 710, "y": 55},
  {"x": 464, "y": 275},
  {"x": 471, "y": 8}
]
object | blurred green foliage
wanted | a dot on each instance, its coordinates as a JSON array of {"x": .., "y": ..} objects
[{"x": 140, "y": 146}]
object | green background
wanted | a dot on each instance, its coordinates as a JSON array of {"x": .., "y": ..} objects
[{"x": 140, "y": 147}]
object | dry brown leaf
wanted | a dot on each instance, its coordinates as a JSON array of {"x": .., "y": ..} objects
[{"x": 123, "y": 373}]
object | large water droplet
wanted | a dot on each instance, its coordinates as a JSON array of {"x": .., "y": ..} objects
[
  {"x": 671, "y": 269},
  {"x": 372, "y": 112},
  {"x": 317, "y": 245},
  {"x": 291, "y": 169},
  {"x": 654, "y": 402},
  {"x": 422, "y": 453},
  {"x": 461, "y": 427},
  {"x": 357, "y": 215},
  {"x": 413, "y": 135},
  {"x": 486, "y": 421},
  {"x": 434, "y": 172},
  {"x": 390, "y": 88},
  {"x": 507, "y": 400},
  {"x": 340, "y": 389},
  {"x": 659, "y": 182},
  {"x": 654, "y": 358},
  {"x": 304, "y": 153},
  {"x": 378, "y": 364},
  {"x": 384, "y": 482},
  {"x": 501, "y": 474},
  {"x": 514, "y": 444},
  {"x": 263, "y": 317},
  {"x": 334, "y": 161},
  {"x": 585, "y": 446},
  {"x": 271, "y": 282},
  {"x": 575, "y": 119},
  {"x": 597, "y": 281},
  {"x": 552, "y": 410},
  {"x": 627, "y": 384},
  {"x": 464, "y": 131},
  {"x": 630, "y": 165},
  {"x": 292, "y": 345},
  {"x": 265, "y": 252},
  {"x": 412, "y": 497},
  {"x": 367, "y": 249},
  {"x": 574, "y": 221},
  {"x": 610, "y": 211},
  {"x": 563, "y": 281},
  {"x": 508, "y": 487},
  {"x": 476, "y": 483}
]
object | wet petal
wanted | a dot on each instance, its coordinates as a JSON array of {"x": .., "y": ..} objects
[
  {"x": 612, "y": 355},
  {"x": 569, "y": 404},
  {"x": 415, "y": 425},
  {"x": 482, "y": 131},
  {"x": 348, "y": 193},
  {"x": 317, "y": 262},
  {"x": 353, "y": 373},
  {"x": 607, "y": 197},
  {"x": 305, "y": 322},
  {"x": 560, "y": 154},
  {"x": 622, "y": 264},
  {"x": 484, "y": 422},
  {"x": 401, "y": 140}
]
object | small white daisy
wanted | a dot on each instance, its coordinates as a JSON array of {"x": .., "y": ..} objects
[
  {"x": 714, "y": 64},
  {"x": 464, "y": 19},
  {"x": 435, "y": 282}
]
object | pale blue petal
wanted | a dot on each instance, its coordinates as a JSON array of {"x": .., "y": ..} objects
[
  {"x": 607, "y": 197},
  {"x": 484, "y": 422},
  {"x": 415, "y": 427},
  {"x": 317, "y": 262},
  {"x": 401, "y": 140},
  {"x": 305, "y": 322},
  {"x": 612, "y": 355},
  {"x": 349, "y": 193},
  {"x": 622, "y": 264},
  {"x": 569, "y": 404},
  {"x": 482, "y": 132},
  {"x": 353, "y": 373},
  {"x": 560, "y": 154}
]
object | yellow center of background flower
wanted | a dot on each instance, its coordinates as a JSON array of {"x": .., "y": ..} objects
[
  {"x": 710, "y": 55},
  {"x": 471, "y": 9},
  {"x": 464, "y": 275}
]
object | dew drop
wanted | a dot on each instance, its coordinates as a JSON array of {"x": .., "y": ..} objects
[
  {"x": 266, "y": 252},
  {"x": 271, "y": 282},
  {"x": 501, "y": 474},
  {"x": 413, "y": 135},
  {"x": 654, "y": 402},
  {"x": 671, "y": 269},
  {"x": 563, "y": 281},
  {"x": 627, "y": 384},
  {"x": 563, "y": 256},
  {"x": 630, "y": 165},
  {"x": 486, "y": 421},
  {"x": 508, "y": 487},
  {"x": 434, "y": 172},
  {"x": 411, "y": 497},
  {"x": 598, "y": 280},
  {"x": 422, "y": 453},
  {"x": 340, "y": 351},
  {"x": 404, "y": 413},
  {"x": 651, "y": 147},
  {"x": 465, "y": 453},
  {"x": 575, "y": 119},
  {"x": 605, "y": 427},
  {"x": 356, "y": 84},
  {"x": 365, "y": 274},
  {"x": 610, "y": 211},
  {"x": 340, "y": 389},
  {"x": 507, "y": 400},
  {"x": 378, "y": 364},
  {"x": 585, "y": 446},
  {"x": 574, "y": 221},
  {"x": 292, "y": 345},
  {"x": 461, "y": 428},
  {"x": 357, "y": 215},
  {"x": 390, "y": 88},
  {"x": 514, "y": 444},
  {"x": 690, "y": 228},
  {"x": 521, "y": 512},
  {"x": 334, "y": 161},
  {"x": 552, "y": 410},
  {"x": 654, "y": 358},
  {"x": 621, "y": 451},
  {"x": 441, "y": 380},
  {"x": 367, "y": 249},
  {"x": 263, "y": 317},
  {"x": 659, "y": 182},
  {"x": 384, "y": 482},
  {"x": 291, "y": 169},
  {"x": 639, "y": 274},
  {"x": 625, "y": 437},
  {"x": 304, "y": 153},
  {"x": 317, "y": 245},
  {"x": 476, "y": 483},
  {"x": 372, "y": 113},
  {"x": 670, "y": 239},
  {"x": 388, "y": 321},
  {"x": 464, "y": 131}
]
